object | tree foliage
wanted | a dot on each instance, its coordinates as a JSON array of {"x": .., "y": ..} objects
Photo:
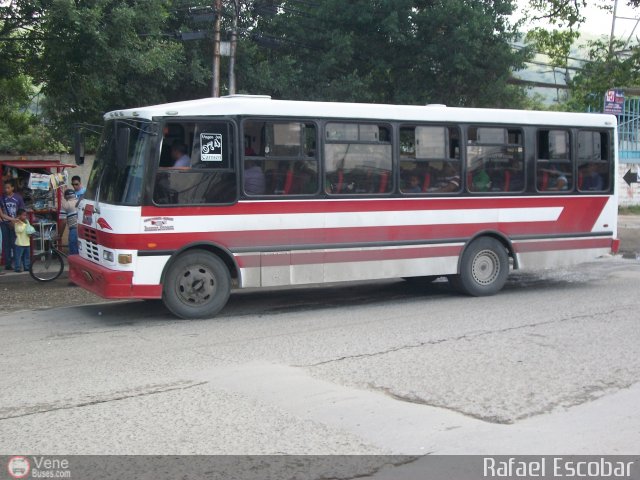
[
  {"x": 92, "y": 56},
  {"x": 104, "y": 54},
  {"x": 401, "y": 51},
  {"x": 610, "y": 64},
  {"x": 21, "y": 130},
  {"x": 603, "y": 71}
]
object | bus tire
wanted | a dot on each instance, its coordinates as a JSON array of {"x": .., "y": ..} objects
[
  {"x": 197, "y": 285},
  {"x": 484, "y": 268}
]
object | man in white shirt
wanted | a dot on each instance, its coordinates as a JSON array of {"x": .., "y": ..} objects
[{"x": 179, "y": 155}]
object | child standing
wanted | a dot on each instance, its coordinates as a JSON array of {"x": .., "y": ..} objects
[{"x": 23, "y": 250}]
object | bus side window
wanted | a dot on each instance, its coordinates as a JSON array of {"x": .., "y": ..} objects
[
  {"x": 430, "y": 159},
  {"x": 358, "y": 159},
  {"x": 279, "y": 158},
  {"x": 554, "y": 167},
  {"x": 593, "y": 161},
  {"x": 211, "y": 179},
  {"x": 495, "y": 160}
]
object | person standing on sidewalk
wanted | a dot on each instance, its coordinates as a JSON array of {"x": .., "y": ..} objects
[
  {"x": 23, "y": 243},
  {"x": 76, "y": 183},
  {"x": 3, "y": 218},
  {"x": 69, "y": 205},
  {"x": 10, "y": 203},
  {"x": 78, "y": 190}
]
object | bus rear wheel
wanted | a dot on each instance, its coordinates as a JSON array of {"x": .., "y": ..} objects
[
  {"x": 197, "y": 285},
  {"x": 484, "y": 268}
]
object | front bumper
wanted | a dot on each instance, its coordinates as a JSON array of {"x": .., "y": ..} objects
[{"x": 108, "y": 283}]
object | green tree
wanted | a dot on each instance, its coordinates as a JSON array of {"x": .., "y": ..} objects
[
  {"x": 607, "y": 66},
  {"x": 21, "y": 130},
  {"x": 603, "y": 71},
  {"x": 101, "y": 55},
  {"x": 92, "y": 56},
  {"x": 402, "y": 51}
]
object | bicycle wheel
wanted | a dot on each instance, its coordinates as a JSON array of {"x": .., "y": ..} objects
[{"x": 46, "y": 266}]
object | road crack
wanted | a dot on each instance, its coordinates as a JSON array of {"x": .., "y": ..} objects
[
  {"x": 46, "y": 408},
  {"x": 468, "y": 336}
]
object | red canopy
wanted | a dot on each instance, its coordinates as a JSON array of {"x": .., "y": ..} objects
[{"x": 27, "y": 164}]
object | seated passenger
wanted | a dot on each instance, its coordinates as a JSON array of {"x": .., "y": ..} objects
[
  {"x": 449, "y": 180},
  {"x": 558, "y": 182},
  {"x": 413, "y": 185},
  {"x": 254, "y": 181},
  {"x": 592, "y": 180},
  {"x": 179, "y": 155},
  {"x": 481, "y": 181}
]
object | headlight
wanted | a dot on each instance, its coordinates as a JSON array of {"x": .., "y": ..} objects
[{"x": 107, "y": 255}]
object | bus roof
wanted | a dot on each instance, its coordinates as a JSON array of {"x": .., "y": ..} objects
[{"x": 257, "y": 105}]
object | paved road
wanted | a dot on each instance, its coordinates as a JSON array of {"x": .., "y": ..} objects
[
  {"x": 629, "y": 235},
  {"x": 550, "y": 365}
]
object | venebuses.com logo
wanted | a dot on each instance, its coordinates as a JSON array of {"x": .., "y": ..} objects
[{"x": 18, "y": 467}]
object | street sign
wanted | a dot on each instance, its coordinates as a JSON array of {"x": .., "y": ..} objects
[
  {"x": 188, "y": 36},
  {"x": 203, "y": 18},
  {"x": 614, "y": 102},
  {"x": 630, "y": 177},
  {"x": 225, "y": 49}
]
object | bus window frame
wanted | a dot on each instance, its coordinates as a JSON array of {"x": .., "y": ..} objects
[
  {"x": 571, "y": 157},
  {"x": 523, "y": 157},
  {"x": 448, "y": 125},
  {"x": 282, "y": 120},
  {"x": 157, "y": 153},
  {"x": 609, "y": 161},
  {"x": 392, "y": 128}
]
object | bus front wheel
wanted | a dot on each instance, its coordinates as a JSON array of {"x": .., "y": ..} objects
[
  {"x": 197, "y": 285},
  {"x": 484, "y": 268}
]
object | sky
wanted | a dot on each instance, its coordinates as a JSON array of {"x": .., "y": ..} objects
[{"x": 598, "y": 22}]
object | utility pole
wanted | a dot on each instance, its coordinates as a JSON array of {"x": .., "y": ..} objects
[
  {"x": 232, "y": 53},
  {"x": 215, "y": 88},
  {"x": 613, "y": 27}
]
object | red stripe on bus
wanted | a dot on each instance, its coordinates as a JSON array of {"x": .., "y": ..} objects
[
  {"x": 375, "y": 205},
  {"x": 332, "y": 236},
  {"x": 579, "y": 215}
]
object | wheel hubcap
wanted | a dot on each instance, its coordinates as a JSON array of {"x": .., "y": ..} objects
[
  {"x": 486, "y": 267},
  {"x": 196, "y": 285}
]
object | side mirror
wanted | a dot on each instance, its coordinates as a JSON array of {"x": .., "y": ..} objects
[
  {"x": 78, "y": 145},
  {"x": 123, "y": 135}
]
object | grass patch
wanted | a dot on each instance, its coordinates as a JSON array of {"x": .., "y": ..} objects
[{"x": 632, "y": 210}]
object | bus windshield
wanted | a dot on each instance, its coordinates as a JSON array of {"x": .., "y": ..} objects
[{"x": 121, "y": 183}]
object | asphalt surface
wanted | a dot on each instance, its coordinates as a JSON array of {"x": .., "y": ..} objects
[
  {"x": 550, "y": 365},
  {"x": 629, "y": 235}
]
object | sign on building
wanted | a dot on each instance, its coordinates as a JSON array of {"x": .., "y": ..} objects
[{"x": 614, "y": 102}]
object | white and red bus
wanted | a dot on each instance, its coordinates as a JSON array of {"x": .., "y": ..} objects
[{"x": 187, "y": 200}]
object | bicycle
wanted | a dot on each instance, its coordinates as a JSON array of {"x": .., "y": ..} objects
[{"x": 48, "y": 263}]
